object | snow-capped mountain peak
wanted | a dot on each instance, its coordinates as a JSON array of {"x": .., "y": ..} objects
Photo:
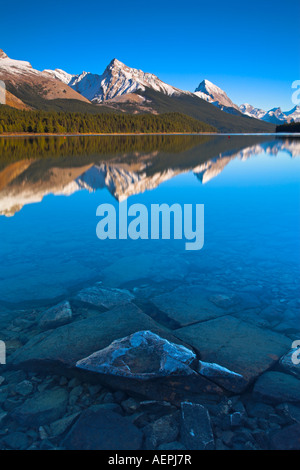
[
  {"x": 14, "y": 66},
  {"x": 210, "y": 92},
  {"x": 117, "y": 79}
]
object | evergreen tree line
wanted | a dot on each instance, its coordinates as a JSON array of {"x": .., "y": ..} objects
[
  {"x": 292, "y": 127},
  {"x": 40, "y": 122}
]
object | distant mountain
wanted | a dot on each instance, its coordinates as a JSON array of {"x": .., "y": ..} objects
[
  {"x": 274, "y": 116},
  {"x": 210, "y": 92},
  {"x": 216, "y": 96},
  {"x": 29, "y": 86},
  {"x": 249, "y": 110},
  {"x": 121, "y": 89},
  {"x": 116, "y": 80}
]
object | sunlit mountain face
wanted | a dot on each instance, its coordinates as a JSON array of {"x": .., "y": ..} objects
[{"x": 32, "y": 170}]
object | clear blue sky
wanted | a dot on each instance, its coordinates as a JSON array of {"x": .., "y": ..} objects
[{"x": 250, "y": 49}]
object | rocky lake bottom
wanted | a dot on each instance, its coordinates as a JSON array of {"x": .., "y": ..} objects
[{"x": 217, "y": 377}]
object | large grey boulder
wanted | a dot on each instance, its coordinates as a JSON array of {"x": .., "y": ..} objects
[
  {"x": 276, "y": 387},
  {"x": 239, "y": 346},
  {"x": 100, "y": 296},
  {"x": 143, "y": 355},
  {"x": 151, "y": 366}
]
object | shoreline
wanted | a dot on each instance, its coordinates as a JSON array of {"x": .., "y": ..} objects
[{"x": 32, "y": 134}]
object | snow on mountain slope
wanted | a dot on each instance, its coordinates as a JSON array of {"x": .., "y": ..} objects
[
  {"x": 215, "y": 95},
  {"x": 19, "y": 75},
  {"x": 116, "y": 80},
  {"x": 60, "y": 75},
  {"x": 275, "y": 115},
  {"x": 249, "y": 110},
  {"x": 294, "y": 114}
]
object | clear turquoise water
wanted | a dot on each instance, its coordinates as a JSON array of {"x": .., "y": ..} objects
[{"x": 49, "y": 249}]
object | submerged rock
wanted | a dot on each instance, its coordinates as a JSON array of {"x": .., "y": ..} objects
[
  {"x": 162, "y": 431},
  {"x": 277, "y": 387},
  {"x": 146, "y": 364},
  {"x": 100, "y": 296},
  {"x": 103, "y": 430},
  {"x": 61, "y": 348},
  {"x": 288, "y": 364},
  {"x": 226, "y": 378},
  {"x": 56, "y": 316},
  {"x": 236, "y": 345},
  {"x": 187, "y": 304},
  {"x": 287, "y": 438},
  {"x": 142, "y": 355},
  {"x": 196, "y": 431},
  {"x": 42, "y": 408}
]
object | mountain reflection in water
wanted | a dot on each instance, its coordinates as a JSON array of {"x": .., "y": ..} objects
[{"x": 32, "y": 168}]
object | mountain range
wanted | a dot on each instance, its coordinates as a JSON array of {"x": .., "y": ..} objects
[{"x": 124, "y": 89}]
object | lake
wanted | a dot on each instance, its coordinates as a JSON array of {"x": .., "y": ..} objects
[{"x": 237, "y": 295}]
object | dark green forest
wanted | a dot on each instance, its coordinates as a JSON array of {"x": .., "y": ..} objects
[
  {"x": 40, "y": 122},
  {"x": 292, "y": 127}
]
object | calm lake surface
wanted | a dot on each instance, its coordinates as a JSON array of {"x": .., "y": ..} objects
[
  {"x": 50, "y": 190},
  {"x": 235, "y": 302}
]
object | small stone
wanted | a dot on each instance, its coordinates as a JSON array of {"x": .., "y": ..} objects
[
  {"x": 95, "y": 389},
  {"x": 42, "y": 433},
  {"x": 76, "y": 391},
  {"x": 226, "y": 378},
  {"x": 196, "y": 428},
  {"x": 42, "y": 408},
  {"x": 130, "y": 405},
  {"x": 2, "y": 380},
  {"x": 16, "y": 441},
  {"x": 62, "y": 425},
  {"x": 24, "y": 388},
  {"x": 162, "y": 431},
  {"x": 3, "y": 415},
  {"x": 171, "y": 446},
  {"x": 287, "y": 363},
  {"x": 287, "y": 438},
  {"x": 227, "y": 438},
  {"x": 73, "y": 383},
  {"x": 100, "y": 296},
  {"x": 56, "y": 316},
  {"x": 236, "y": 419},
  {"x": 259, "y": 410}
]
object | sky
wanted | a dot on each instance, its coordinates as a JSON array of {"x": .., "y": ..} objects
[{"x": 249, "y": 49}]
